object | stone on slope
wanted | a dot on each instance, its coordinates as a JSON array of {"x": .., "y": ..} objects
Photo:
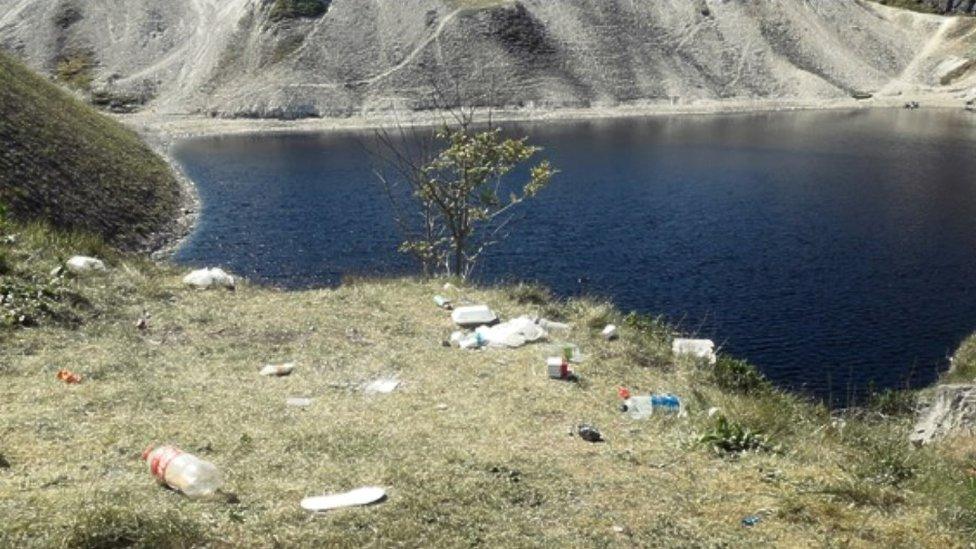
[{"x": 951, "y": 410}]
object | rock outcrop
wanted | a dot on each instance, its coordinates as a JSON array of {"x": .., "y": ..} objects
[
  {"x": 242, "y": 58},
  {"x": 950, "y": 410},
  {"x": 952, "y": 6}
]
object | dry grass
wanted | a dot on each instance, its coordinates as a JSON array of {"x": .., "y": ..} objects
[{"x": 473, "y": 447}]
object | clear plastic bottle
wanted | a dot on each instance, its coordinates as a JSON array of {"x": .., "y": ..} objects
[
  {"x": 183, "y": 472},
  {"x": 640, "y": 407}
]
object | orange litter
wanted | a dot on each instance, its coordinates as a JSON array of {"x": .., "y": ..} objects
[{"x": 68, "y": 376}]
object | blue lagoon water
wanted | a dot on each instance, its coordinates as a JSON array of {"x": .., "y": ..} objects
[{"x": 835, "y": 250}]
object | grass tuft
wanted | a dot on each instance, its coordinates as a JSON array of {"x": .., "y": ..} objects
[{"x": 112, "y": 527}]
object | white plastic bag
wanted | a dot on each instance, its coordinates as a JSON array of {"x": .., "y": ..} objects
[
  {"x": 697, "y": 348},
  {"x": 514, "y": 333},
  {"x": 209, "y": 278}
]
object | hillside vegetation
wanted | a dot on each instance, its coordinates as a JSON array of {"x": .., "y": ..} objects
[{"x": 65, "y": 163}]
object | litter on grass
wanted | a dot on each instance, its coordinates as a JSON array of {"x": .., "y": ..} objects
[
  {"x": 183, "y": 472},
  {"x": 278, "y": 370},
  {"x": 558, "y": 368},
  {"x": 360, "y": 496},
  {"x": 644, "y": 406},
  {"x": 443, "y": 302},
  {"x": 696, "y": 348},
  {"x": 209, "y": 278},
  {"x": 473, "y": 316},
  {"x": 299, "y": 402},
  {"x": 82, "y": 265},
  {"x": 609, "y": 333},
  {"x": 68, "y": 376},
  {"x": 514, "y": 333},
  {"x": 382, "y": 386},
  {"x": 751, "y": 520},
  {"x": 552, "y": 325},
  {"x": 589, "y": 433},
  {"x": 570, "y": 352}
]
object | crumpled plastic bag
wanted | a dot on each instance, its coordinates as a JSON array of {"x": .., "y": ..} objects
[
  {"x": 514, "y": 333},
  {"x": 209, "y": 278}
]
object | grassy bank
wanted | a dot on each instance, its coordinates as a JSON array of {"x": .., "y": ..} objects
[
  {"x": 67, "y": 164},
  {"x": 474, "y": 447}
]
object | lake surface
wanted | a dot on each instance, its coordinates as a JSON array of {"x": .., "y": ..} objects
[{"x": 835, "y": 250}]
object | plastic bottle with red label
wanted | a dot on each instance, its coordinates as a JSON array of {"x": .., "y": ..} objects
[{"x": 183, "y": 472}]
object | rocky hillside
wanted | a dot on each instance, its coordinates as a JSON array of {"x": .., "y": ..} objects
[
  {"x": 65, "y": 163},
  {"x": 296, "y": 58}
]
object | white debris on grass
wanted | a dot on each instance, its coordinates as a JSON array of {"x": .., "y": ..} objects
[
  {"x": 382, "y": 386},
  {"x": 696, "y": 348},
  {"x": 209, "y": 278},
  {"x": 609, "y": 333},
  {"x": 278, "y": 369},
  {"x": 553, "y": 326},
  {"x": 299, "y": 402},
  {"x": 353, "y": 498},
  {"x": 512, "y": 334},
  {"x": 82, "y": 265},
  {"x": 473, "y": 316}
]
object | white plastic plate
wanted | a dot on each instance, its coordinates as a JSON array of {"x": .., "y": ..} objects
[{"x": 359, "y": 496}]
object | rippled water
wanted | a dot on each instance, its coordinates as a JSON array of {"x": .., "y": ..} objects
[{"x": 836, "y": 250}]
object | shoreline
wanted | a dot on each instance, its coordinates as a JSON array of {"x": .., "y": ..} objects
[
  {"x": 163, "y": 131},
  {"x": 171, "y": 127}
]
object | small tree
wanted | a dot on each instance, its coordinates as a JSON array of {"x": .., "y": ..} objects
[{"x": 454, "y": 209}]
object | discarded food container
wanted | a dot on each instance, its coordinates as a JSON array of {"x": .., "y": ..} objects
[
  {"x": 443, "y": 302},
  {"x": 182, "y": 472},
  {"x": 697, "y": 348},
  {"x": 357, "y": 497},
  {"x": 278, "y": 370},
  {"x": 557, "y": 367},
  {"x": 209, "y": 278},
  {"x": 609, "y": 333},
  {"x": 80, "y": 265},
  {"x": 475, "y": 315}
]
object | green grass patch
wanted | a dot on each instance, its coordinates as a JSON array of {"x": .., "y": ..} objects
[{"x": 79, "y": 170}]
